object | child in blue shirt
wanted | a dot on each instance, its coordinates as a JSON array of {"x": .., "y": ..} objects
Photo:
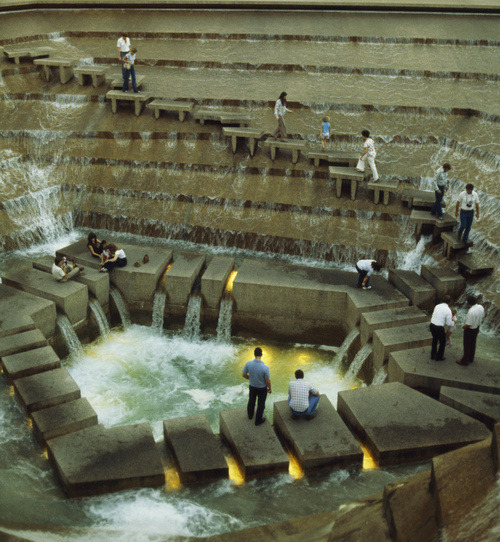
[{"x": 325, "y": 131}]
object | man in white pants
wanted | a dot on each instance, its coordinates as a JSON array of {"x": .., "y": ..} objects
[{"x": 369, "y": 154}]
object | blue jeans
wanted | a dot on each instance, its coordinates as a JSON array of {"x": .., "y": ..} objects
[
  {"x": 129, "y": 73},
  {"x": 466, "y": 218},
  {"x": 120, "y": 262},
  {"x": 313, "y": 403},
  {"x": 122, "y": 56},
  {"x": 436, "y": 208}
]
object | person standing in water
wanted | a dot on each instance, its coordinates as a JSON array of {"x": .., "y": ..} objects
[{"x": 280, "y": 109}]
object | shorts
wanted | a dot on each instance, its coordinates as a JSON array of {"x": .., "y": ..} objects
[{"x": 325, "y": 136}]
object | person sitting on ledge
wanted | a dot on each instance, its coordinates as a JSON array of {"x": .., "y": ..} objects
[
  {"x": 303, "y": 398},
  {"x": 95, "y": 246},
  {"x": 62, "y": 270},
  {"x": 365, "y": 268},
  {"x": 117, "y": 258}
]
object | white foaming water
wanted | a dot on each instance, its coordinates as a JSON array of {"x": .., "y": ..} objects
[
  {"x": 121, "y": 307},
  {"x": 70, "y": 337},
  {"x": 100, "y": 317},
  {"x": 193, "y": 319},
  {"x": 224, "y": 321},
  {"x": 158, "y": 311},
  {"x": 344, "y": 347},
  {"x": 379, "y": 377},
  {"x": 360, "y": 357}
]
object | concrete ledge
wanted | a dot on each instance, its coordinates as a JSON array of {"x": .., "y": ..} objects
[
  {"x": 195, "y": 450},
  {"x": 98, "y": 460},
  {"x": 213, "y": 280},
  {"x": 399, "y": 316},
  {"x": 257, "y": 450},
  {"x": 169, "y": 105},
  {"x": 339, "y": 174},
  {"x": 27, "y": 340},
  {"x": 118, "y": 95},
  {"x": 70, "y": 297},
  {"x": 31, "y": 362},
  {"x": 18, "y": 324},
  {"x": 452, "y": 244},
  {"x": 339, "y": 158},
  {"x": 294, "y": 146},
  {"x": 484, "y": 407},
  {"x": 46, "y": 389},
  {"x": 400, "y": 424},
  {"x": 63, "y": 419},
  {"x": 444, "y": 280},
  {"x": 384, "y": 187},
  {"x": 181, "y": 276},
  {"x": 414, "y": 287},
  {"x": 321, "y": 442},
  {"x": 473, "y": 265}
]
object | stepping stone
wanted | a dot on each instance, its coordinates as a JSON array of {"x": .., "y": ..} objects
[
  {"x": 115, "y": 81},
  {"x": 97, "y": 460},
  {"x": 444, "y": 280},
  {"x": 96, "y": 73},
  {"x": 414, "y": 287},
  {"x": 46, "y": 389},
  {"x": 256, "y": 449},
  {"x": 452, "y": 244},
  {"x": 195, "y": 450},
  {"x": 294, "y": 146},
  {"x": 214, "y": 279},
  {"x": 118, "y": 95},
  {"x": 399, "y": 316},
  {"x": 399, "y": 424},
  {"x": 392, "y": 339},
  {"x": 384, "y": 187},
  {"x": 422, "y": 218},
  {"x": 70, "y": 297},
  {"x": 415, "y": 369},
  {"x": 224, "y": 116},
  {"x": 169, "y": 105},
  {"x": 63, "y": 419},
  {"x": 26, "y": 52},
  {"x": 27, "y": 340},
  {"x": 31, "y": 362},
  {"x": 321, "y": 442},
  {"x": 339, "y": 158},
  {"x": 473, "y": 265},
  {"x": 17, "y": 324},
  {"x": 484, "y": 407},
  {"x": 65, "y": 66},
  {"x": 339, "y": 174},
  {"x": 423, "y": 199},
  {"x": 182, "y": 275},
  {"x": 252, "y": 134}
]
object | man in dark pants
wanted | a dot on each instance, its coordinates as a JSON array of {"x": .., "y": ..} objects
[
  {"x": 441, "y": 316},
  {"x": 467, "y": 200},
  {"x": 260, "y": 384},
  {"x": 473, "y": 320},
  {"x": 440, "y": 187}
]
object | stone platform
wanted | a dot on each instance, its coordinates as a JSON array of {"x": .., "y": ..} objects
[
  {"x": 400, "y": 424},
  {"x": 473, "y": 265},
  {"x": 30, "y": 362},
  {"x": 484, "y": 407},
  {"x": 414, "y": 287},
  {"x": 21, "y": 342},
  {"x": 324, "y": 441},
  {"x": 388, "y": 318},
  {"x": 444, "y": 280},
  {"x": 181, "y": 276},
  {"x": 214, "y": 279}
]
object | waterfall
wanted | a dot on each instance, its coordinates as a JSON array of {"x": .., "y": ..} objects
[
  {"x": 122, "y": 308},
  {"x": 357, "y": 363},
  {"x": 158, "y": 310},
  {"x": 193, "y": 317},
  {"x": 342, "y": 352},
  {"x": 379, "y": 377},
  {"x": 224, "y": 322},
  {"x": 70, "y": 337},
  {"x": 100, "y": 317}
]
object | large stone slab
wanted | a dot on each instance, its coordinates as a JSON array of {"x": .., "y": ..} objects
[
  {"x": 399, "y": 424},
  {"x": 399, "y": 316},
  {"x": 444, "y": 280},
  {"x": 414, "y": 287},
  {"x": 194, "y": 448},
  {"x": 63, "y": 419},
  {"x": 97, "y": 283},
  {"x": 323, "y": 441},
  {"x": 30, "y": 362},
  {"x": 213, "y": 280},
  {"x": 70, "y": 297},
  {"x": 16, "y": 324},
  {"x": 474, "y": 265},
  {"x": 46, "y": 389},
  {"x": 21, "y": 342},
  {"x": 98, "y": 460},
  {"x": 181, "y": 276},
  {"x": 484, "y": 407},
  {"x": 415, "y": 369},
  {"x": 256, "y": 448},
  {"x": 393, "y": 339}
]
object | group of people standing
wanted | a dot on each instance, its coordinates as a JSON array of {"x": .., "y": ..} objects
[{"x": 127, "y": 55}]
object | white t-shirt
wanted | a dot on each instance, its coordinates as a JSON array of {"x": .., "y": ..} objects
[
  {"x": 442, "y": 315},
  {"x": 57, "y": 272},
  {"x": 124, "y": 45},
  {"x": 370, "y": 145},
  {"x": 366, "y": 265},
  {"x": 475, "y": 316},
  {"x": 467, "y": 201},
  {"x": 120, "y": 253}
]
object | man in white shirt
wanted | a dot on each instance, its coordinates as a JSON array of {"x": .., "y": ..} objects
[
  {"x": 440, "y": 187},
  {"x": 473, "y": 320},
  {"x": 62, "y": 271},
  {"x": 365, "y": 268},
  {"x": 123, "y": 46},
  {"x": 303, "y": 398},
  {"x": 369, "y": 154},
  {"x": 465, "y": 204},
  {"x": 440, "y": 317}
]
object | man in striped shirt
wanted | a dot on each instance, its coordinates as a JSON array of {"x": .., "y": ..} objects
[{"x": 303, "y": 398}]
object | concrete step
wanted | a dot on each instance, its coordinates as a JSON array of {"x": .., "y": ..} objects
[
  {"x": 444, "y": 280},
  {"x": 214, "y": 279},
  {"x": 180, "y": 278},
  {"x": 475, "y": 265},
  {"x": 400, "y": 316},
  {"x": 414, "y": 287},
  {"x": 30, "y": 362},
  {"x": 484, "y": 407},
  {"x": 21, "y": 342}
]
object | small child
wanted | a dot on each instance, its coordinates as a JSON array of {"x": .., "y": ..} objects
[
  {"x": 452, "y": 328},
  {"x": 325, "y": 131}
]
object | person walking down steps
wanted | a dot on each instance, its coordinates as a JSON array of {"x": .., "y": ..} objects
[
  {"x": 280, "y": 109},
  {"x": 369, "y": 153}
]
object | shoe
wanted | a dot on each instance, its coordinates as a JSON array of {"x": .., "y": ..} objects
[
  {"x": 375, "y": 181},
  {"x": 103, "y": 270},
  {"x": 137, "y": 91},
  {"x": 145, "y": 259},
  {"x": 360, "y": 170},
  {"x": 367, "y": 287},
  {"x": 81, "y": 268},
  {"x": 440, "y": 218},
  {"x": 312, "y": 416},
  {"x": 459, "y": 362},
  {"x": 137, "y": 264},
  {"x": 261, "y": 422},
  {"x": 440, "y": 359},
  {"x": 294, "y": 416}
]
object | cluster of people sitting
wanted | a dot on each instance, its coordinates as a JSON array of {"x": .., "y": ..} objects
[{"x": 110, "y": 255}]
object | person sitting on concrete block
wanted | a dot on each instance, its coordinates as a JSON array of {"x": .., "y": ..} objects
[
  {"x": 303, "y": 398},
  {"x": 116, "y": 258},
  {"x": 62, "y": 270}
]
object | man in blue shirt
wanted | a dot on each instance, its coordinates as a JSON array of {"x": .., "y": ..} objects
[{"x": 257, "y": 372}]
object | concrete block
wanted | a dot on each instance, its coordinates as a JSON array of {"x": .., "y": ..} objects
[
  {"x": 30, "y": 362},
  {"x": 16, "y": 324},
  {"x": 63, "y": 419},
  {"x": 339, "y": 174},
  {"x": 410, "y": 509},
  {"x": 256, "y": 449},
  {"x": 475, "y": 265},
  {"x": 46, "y": 389},
  {"x": 214, "y": 279},
  {"x": 415, "y": 369},
  {"x": 27, "y": 340},
  {"x": 97, "y": 283},
  {"x": 484, "y": 407},
  {"x": 444, "y": 280},
  {"x": 181, "y": 276},
  {"x": 195, "y": 450},
  {"x": 97, "y": 460},
  {"x": 414, "y": 287},
  {"x": 323, "y": 441},
  {"x": 399, "y": 424},
  {"x": 70, "y": 297},
  {"x": 400, "y": 316},
  {"x": 393, "y": 339}
]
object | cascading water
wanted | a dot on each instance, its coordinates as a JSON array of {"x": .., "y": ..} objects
[
  {"x": 158, "y": 310},
  {"x": 357, "y": 363},
  {"x": 70, "y": 337},
  {"x": 193, "y": 319},
  {"x": 121, "y": 307},
  {"x": 100, "y": 317},
  {"x": 379, "y": 377},
  {"x": 224, "y": 321},
  {"x": 344, "y": 347}
]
